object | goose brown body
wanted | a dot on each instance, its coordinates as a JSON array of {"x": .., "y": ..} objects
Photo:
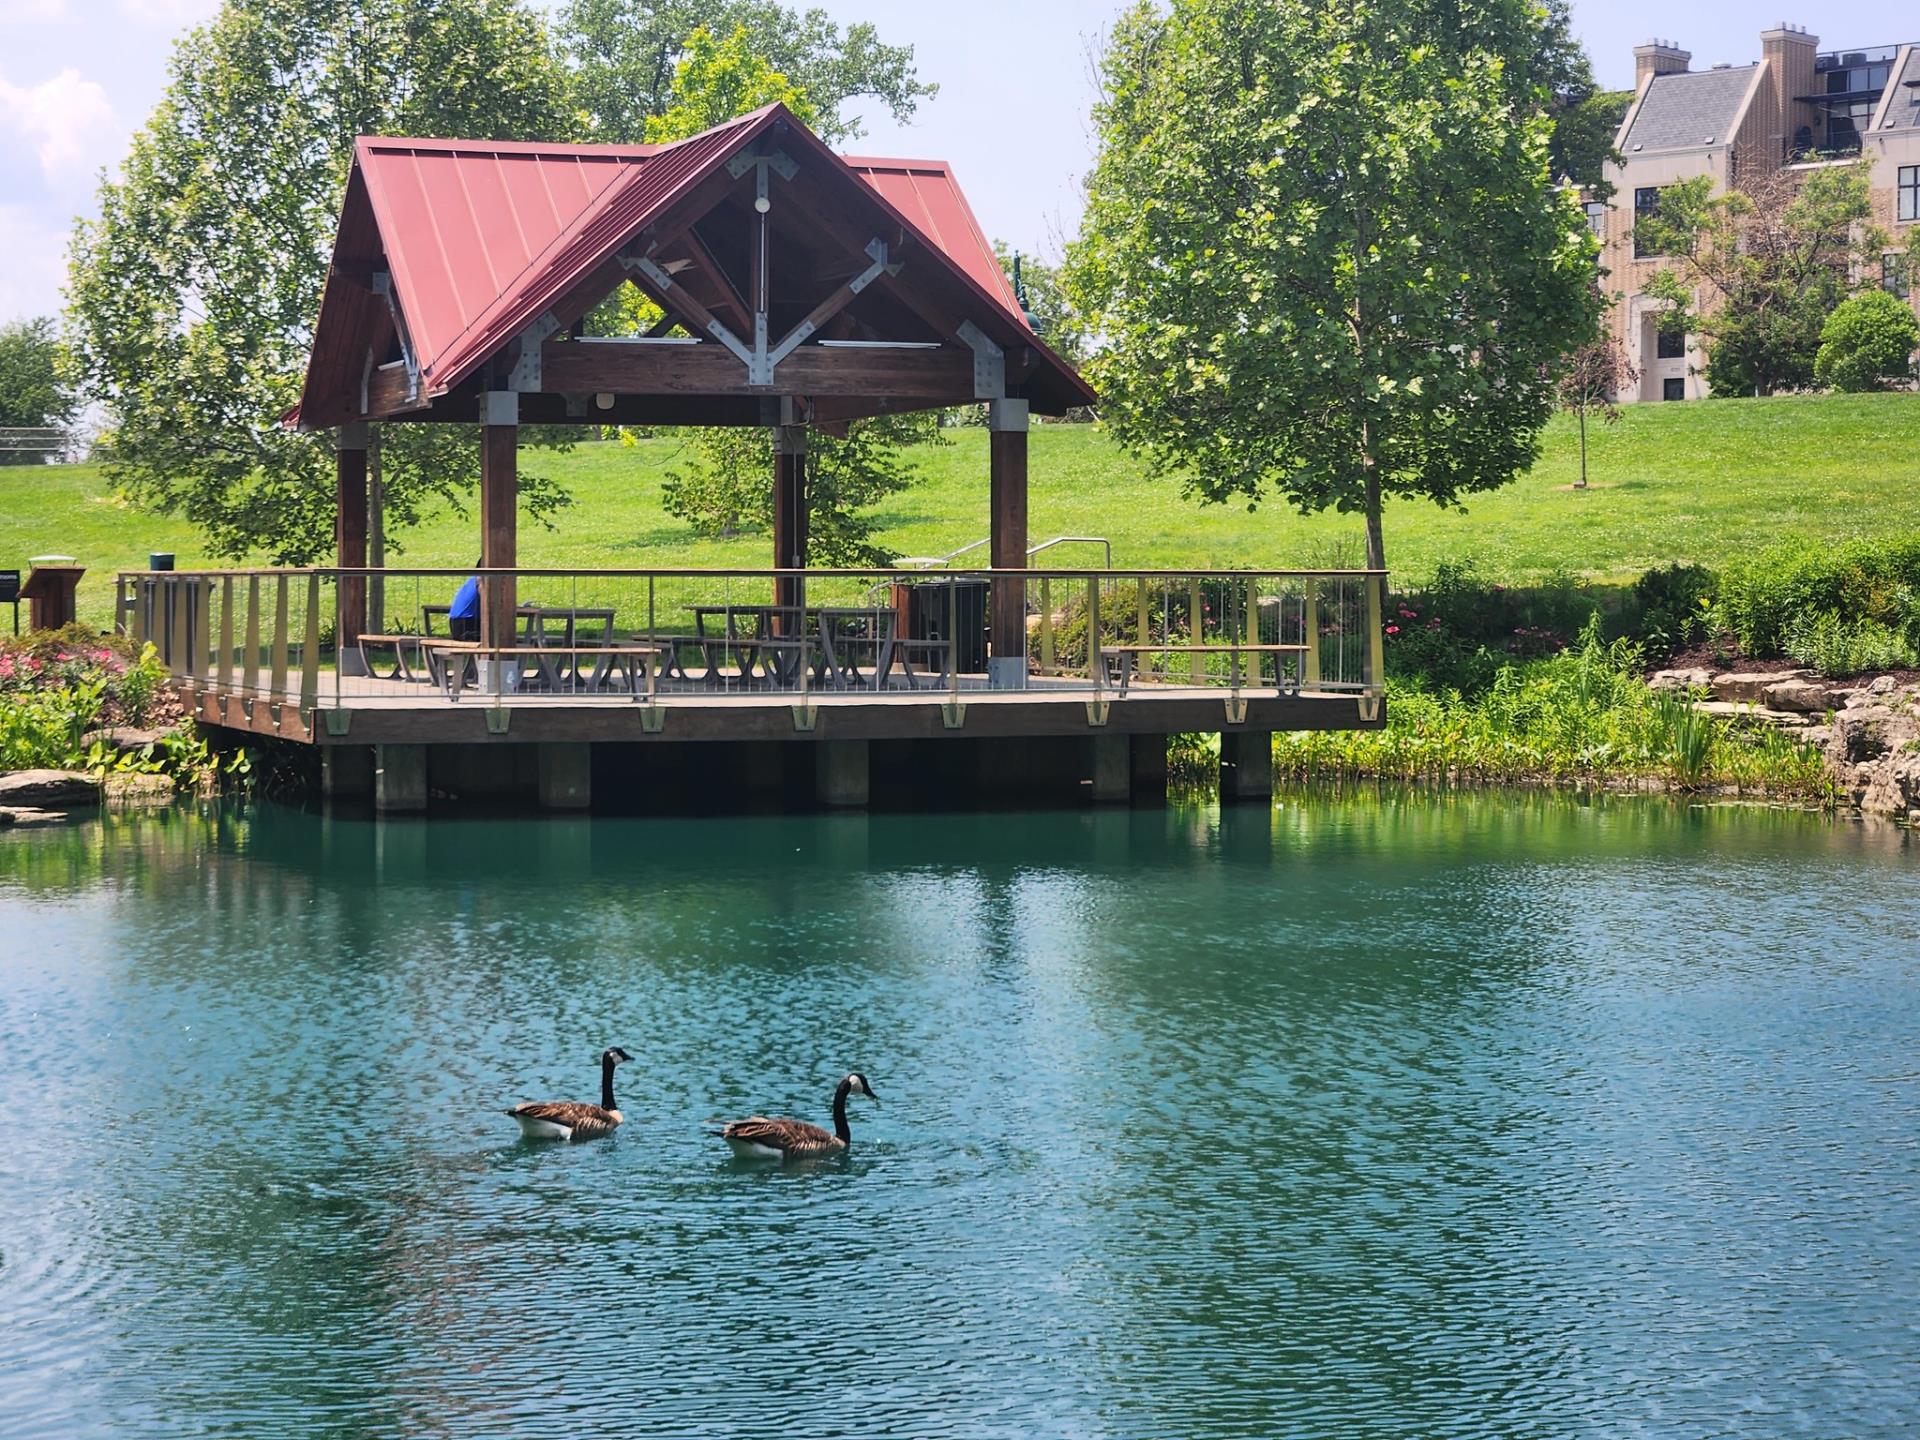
[
  {"x": 761, "y": 1138},
  {"x": 575, "y": 1119}
]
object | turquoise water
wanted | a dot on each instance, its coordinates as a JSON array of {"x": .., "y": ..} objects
[{"x": 1480, "y": 1117}]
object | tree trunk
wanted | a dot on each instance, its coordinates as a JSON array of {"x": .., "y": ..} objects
[
  {"x": 1582, "y": 412},
  {"x": 1376, "y": 540}
]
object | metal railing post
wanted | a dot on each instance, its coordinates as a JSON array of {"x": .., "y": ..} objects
[
  {"x": 223, "y": 674},
  {"x": 277, "y": 669},
  {"x": 1310, "y": 635},
  {"x": 310, "y": 648},
  {"x": 1376, "y": 634},
  {"x": 250, "y": 658}
]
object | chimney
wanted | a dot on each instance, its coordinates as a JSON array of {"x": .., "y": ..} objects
[
  {"x": 1787, "y": 51},
  {"x": 1657, "y": 57}
]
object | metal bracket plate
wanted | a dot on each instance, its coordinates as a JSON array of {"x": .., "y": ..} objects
[
  {"x": 498, "y": 718},
  {"x": 525, "y": 375},
  {"x": 989, "y": 363},
  {"x": 338, "y": 721},
  {"x": 653, "y": 719},
  {"x": 804, "y": 717},
  {"x": 1236, "y": 709},
  {"x": 1369, "y": 708},
  {"x": 953, "y": 713},
  {"x": 1097, "y": 711}
]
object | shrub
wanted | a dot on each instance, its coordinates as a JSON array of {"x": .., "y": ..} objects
[
  {"x": 1835, "y": 647},
  {"x": 1867, "y": 343},
  {"x": 1795, "y": 583},
  {"x": 1668, "y": 608}
]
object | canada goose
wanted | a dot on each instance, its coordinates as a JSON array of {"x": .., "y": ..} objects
[
  {"x": 571, "y": 1119},
  {"x": 759, "y": 1138}
]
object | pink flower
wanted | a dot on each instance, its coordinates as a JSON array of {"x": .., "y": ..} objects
[{"x": 1393, "y": 629}]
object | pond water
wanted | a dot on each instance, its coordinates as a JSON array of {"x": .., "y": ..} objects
[{"x": 1460, "y": 1117}]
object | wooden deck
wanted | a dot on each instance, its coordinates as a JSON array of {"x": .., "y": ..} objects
[{"x": 394, "y": 713}]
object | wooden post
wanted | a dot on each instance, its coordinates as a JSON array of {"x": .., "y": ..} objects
[
  {"x": 277, "y": 663},
  {"x": 789, "y": 515},
  {"x": 177, "y": 630},
  {"x": 499, "y": 512},
  {"x": 1007, "y": 446},
  {"x": 203, "y": 629},
  {"x": 376, "y": 535},
  {"x": 1310, "y": 636},
  {"x": 350, "y": 541},
  {"x": 223, "y": 673},
  {"x": 250, "y": 658},
  {"x": 1197, "y": 630},
  {"x": 1376, "y": 635},
  {"x": 310, "y": 650}
]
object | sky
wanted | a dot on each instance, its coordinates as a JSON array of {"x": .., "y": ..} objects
[{"x": 78, "y": 77}]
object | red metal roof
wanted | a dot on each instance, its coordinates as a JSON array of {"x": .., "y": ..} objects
[{"x": 480, "y": 237}]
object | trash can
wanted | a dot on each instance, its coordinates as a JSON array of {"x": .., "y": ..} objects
[
  {"x": 160, "y": 560},
  {"x": 925, "y": 610}
]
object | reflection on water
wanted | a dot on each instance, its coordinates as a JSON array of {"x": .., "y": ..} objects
[{"x": 1458, "y": 1117}]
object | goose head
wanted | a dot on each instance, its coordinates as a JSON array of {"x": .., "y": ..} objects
[
  {"x": 614, "y": 1055},
  {"x": 856, "y": 1084}
]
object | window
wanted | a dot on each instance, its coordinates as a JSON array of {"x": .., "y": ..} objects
[
  {"x": 1673, "y": 389},
  {"x": 1909, "y": 207},
  {"x": 1597, "y": 217},
  {"x": 1670, "y": 345},
  {"x": 1893, "y": 273},
  {"x": 1646, "y": 206}
]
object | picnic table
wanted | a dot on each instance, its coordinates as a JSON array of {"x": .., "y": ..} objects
[
  {"x": 595, "y": 667},
  {"x": 844, "y": 647},
  {"x": 412, "y": 658}
]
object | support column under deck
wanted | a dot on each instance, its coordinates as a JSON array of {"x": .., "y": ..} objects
[
  {"x": 350, "y": 540},
  {"x": 1007, "y": 458},
  {"x": 399, "y": 779},
  {"x": 1246, "y": 764},
  {"x": 566, "y": 775},
  {"x": 346, "y": 772},
  {"x": 1112, "y": 768},
  {"x": 840, "y": 773}
]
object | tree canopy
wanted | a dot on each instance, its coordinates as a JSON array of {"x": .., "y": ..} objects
[
  {"x": 624, "y": 59},
  {"x": 1867, "y": 343},
  {"x": 1756, "y": 271},
  {"x": 1325, "y": 249},
  {"x": 33, "y": 389},
  {"x": 193, "y": 295}
]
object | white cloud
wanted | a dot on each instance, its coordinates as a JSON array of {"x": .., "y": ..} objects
[{"x": 68, "y": 124}]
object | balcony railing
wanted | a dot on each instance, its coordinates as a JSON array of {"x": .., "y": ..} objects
[{"x": 333, "y": 638}]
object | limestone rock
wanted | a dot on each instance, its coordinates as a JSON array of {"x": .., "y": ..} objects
[
  {"x": 1750, "y": 687},
  {"x": 26, "y": 815},
  {"x": 55, "y": 789},
  {"x": 138, "y": 790},
  {"x": 1881, "y": 685},
  {"x": 122, "y": 739},
  {"x": 1689, "y": 679},
  {"x": 1802, "y": 697},
  {"x": 1873, "y": 751}
]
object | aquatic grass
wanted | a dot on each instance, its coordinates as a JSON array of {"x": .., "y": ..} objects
[{"x": 1581, "y": 717}]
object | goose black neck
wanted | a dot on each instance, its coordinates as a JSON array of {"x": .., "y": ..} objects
[
  {"x": 606, "y": 1083},
  {"x": 840, "y": 1112}
]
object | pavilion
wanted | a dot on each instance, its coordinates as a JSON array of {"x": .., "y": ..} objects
[{"x": 798, "y": 288}]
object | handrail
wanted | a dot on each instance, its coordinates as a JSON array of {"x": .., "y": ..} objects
[
  {"x": 932, "y": 562},
  {"x": 554, "y": 572}
]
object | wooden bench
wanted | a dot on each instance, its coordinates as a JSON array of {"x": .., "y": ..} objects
[
  {"x": 414, "y": 671},
  {"x": 1118, "y": 662}
]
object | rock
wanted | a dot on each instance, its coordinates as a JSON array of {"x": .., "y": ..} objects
[
  {"x": 1724, "y": 709},
  {"x": 1694, "y": 679},
  {"x": 1873, "y": 752},
  {"x": 58, "y": 789},
  {"x": 1881, "y": 685},
  {"x": 1802, "y": 697},
  {"x": 138, "y": 790},
  {"x": 1751, "y": 686},
  {"x": 26, "y": 815},
  {"x": 122, "y": 739}
]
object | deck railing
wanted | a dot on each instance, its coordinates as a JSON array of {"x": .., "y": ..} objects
[{"x": 657, "y": 636}]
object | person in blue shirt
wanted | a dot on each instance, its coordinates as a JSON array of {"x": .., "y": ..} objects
[{"x": 463, "y": 616}]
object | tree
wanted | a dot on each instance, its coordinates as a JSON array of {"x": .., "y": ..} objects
[
  {"x": 728, "y": 492},
  {"x": 33, "y": 392},
  {"x": 1592, "y": 381},
  {"x": 1585, "y": 117},
  {"x": 625, "y": 56},
  {"x": 1867, "y": 343},
  {"x": 193, "y": 295},
  {"x": 719, "y": 79},
  {"x": 1756, "y": 271},
  {"x": 1325, "y": 250}
]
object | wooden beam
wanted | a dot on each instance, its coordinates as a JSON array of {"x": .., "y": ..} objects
[
  {"x": 1007, "y": 510},
  {"x": 499, "y": 516},
  {"x": 944, "y": 375},
  {"x": 350, "y": 528},
  {"x": 709, "y": 267},
  {"x": 790, "y": 511}
]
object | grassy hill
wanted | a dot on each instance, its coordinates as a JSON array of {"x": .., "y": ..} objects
[{"x": 1697, "y": 482}]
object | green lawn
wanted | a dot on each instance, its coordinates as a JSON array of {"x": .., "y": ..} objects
[{"x": 1700, "y": 482}]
